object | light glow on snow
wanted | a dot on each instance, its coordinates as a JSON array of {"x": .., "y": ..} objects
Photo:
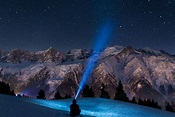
[
  {"x": 103, "y": 36},
  {"x": 12, "y": 106},
  {"x": 104, "y": 108}
]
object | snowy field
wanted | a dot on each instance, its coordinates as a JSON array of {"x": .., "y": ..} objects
[{"x": 11, "y": 106}]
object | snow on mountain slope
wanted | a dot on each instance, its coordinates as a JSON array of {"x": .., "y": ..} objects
[
  {"x": 155, "y": 52},
  {"x": 145, "y": 74},
  {"x": 111, "y": 51},
  {"x": 11, "y": 106}
]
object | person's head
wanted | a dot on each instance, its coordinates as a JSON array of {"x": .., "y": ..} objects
[{"x": 74, "y": 101}]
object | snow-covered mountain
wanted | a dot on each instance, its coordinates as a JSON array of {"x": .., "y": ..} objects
[
  {"x": 19, "y": 107},
  {"x": 145, "y": 73}
]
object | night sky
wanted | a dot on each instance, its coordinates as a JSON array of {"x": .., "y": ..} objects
[{"x": 66, "y": 24}]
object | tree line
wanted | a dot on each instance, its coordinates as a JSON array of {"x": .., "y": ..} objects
[
  {"x": 119, "y": 95},
  {"x": 88, "y": 92},
  {"x": 5, "y": 89}
]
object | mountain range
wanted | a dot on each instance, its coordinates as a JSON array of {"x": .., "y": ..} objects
[{"x": 145, "y": 73}]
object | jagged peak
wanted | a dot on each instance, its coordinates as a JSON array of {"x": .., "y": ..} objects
[
  {"x": 16, "y": 50},
  {"x": 128, "y": 49},
  {"x": 118, "y": 47},
  {"x": 115, "y": 47},
  {"x": 154, "y": 51},
  {"x": 76, "y": 50},
  {"x": 50, "y": 49}
]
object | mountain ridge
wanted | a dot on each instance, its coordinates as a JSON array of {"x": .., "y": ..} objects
[{"x": 145, "y": 74}]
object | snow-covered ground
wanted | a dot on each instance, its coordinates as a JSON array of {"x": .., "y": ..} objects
[{"x": 11, "y": 106}]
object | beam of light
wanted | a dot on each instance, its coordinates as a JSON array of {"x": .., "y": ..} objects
[
  {"x": 103, "y": 36},
  {"x": 31, "y": 91}
]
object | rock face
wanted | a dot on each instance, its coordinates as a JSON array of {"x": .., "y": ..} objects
[
  {"x": 144, "y": 73},
  {"x": 17, "y": 56}
]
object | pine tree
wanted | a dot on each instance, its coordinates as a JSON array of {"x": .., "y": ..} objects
[
  {"x": 120, "y": 94},
  {"x": 133, "y": 100},
  {"x": 87, "y": 92},
  {"x": 41, "y": 94},
  {"x": 169, "y": 107},
  {"x": 5, "y": 89},
  {"x": 150, "y": 103},
  {"x": 67, "y": 96},
  {"x": 140, "y": 102},
  {"x": 156, "y": 105},
  {"x": 25, "y": 96},
  {"x": 57, "y": 95},
  {"x": 104, "y": 94}
]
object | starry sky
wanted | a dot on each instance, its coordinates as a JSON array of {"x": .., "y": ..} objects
[{"x": 66, "y": 24}]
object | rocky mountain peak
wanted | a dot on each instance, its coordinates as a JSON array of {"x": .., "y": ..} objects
[{"x": 145, "y": 74}]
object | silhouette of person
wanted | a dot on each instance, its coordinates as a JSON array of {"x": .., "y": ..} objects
[{"x": 74, "y": 109}]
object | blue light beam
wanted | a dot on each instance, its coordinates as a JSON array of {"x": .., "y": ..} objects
[{"x": 103, "y": 36}]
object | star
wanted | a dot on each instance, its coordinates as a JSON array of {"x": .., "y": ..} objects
[{"x": 56, "y": 22}]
